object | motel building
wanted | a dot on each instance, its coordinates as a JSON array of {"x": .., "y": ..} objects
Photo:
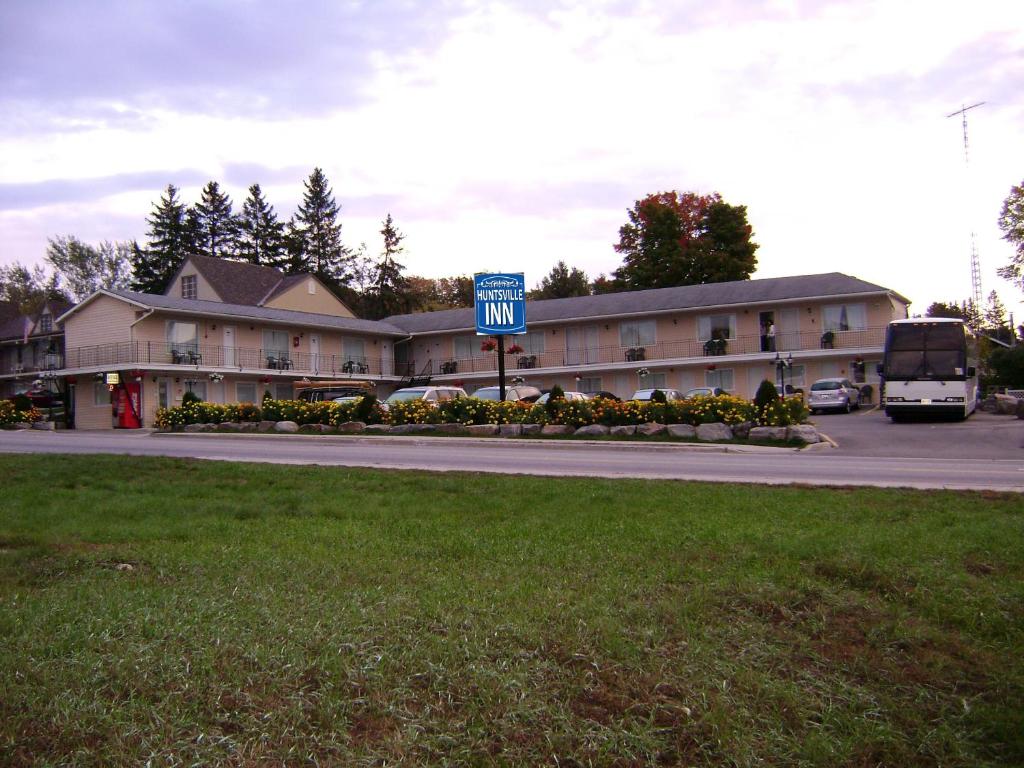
[{"x": 231, "y": 332}]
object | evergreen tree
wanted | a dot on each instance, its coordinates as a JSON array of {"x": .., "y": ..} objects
[
  {"x": 561, "y": 283},
  {"x": 215, "y": 225},
  {"x": 944, "y": 309},
  {"x": 390, "y": 288},
  {"x": 316, "y": 224},
  {"x": 972, "y": 315},
  {"x": 168, "y": 245},
  {"x": 260, "y": 237}
]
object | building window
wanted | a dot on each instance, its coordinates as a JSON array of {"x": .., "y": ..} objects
[
  {"x": 845, "y": 317},
  {"x": 275, "y": 343},
  {"x": 532, "y": 342},
  {"x": 636, "y": 333},
  {"x": 245, "y": 392},
  {"x": 196, "y": 387},
  {"x": 653, "y": 381},
  {"x": 716, "y": 327},
  {"x": 466, "y": 347},
  {"x": 188, "y": 287},
  {"x": 282, "y": 391},
  {"x": 354, "y": 350},
  {"x": 720, "y": 377},
  {"x": 589, "y": 384},
  {"x": 182, "y": 337},
  {"x": 100, "y": 394},
  {"x": 795, "y": 375},
  {"x": 46, "y": 323}
]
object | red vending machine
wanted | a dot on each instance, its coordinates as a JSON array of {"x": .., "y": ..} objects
[{"x": 129, "y": 405}]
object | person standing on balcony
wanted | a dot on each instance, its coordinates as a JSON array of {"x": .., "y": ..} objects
[{"x": 771, "y": 337}]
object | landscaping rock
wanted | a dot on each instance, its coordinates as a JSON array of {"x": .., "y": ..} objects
[
  {"x": 510, "y": 430},
  {"x": 767, "y": 433},
  {"x": 557, "y": 429},
  {"x": 250, "y": 426},
  {"x": 623, "y": 429},
  {"x": 195, "y": 428},
  {"x": 805, "y": 432},
  {"x": 378, "y": 429},
  {"x": 681, "y": 430},
  {"x": 45, "y": 426},
  {"x": 651, "y": 428},
  {"x": 741, "y": 431},
  {"x": 230, "y": 426},
  {"x": 266, "y": 426},
  {"x": 413, "y": 429},
  {"x": 714, "y": 433},
  {"x": 592, "y": 430},
  {"x": 453, "y": 428},
  {"x": 479, "y": 430},
  {"x": 350, "y": 427},
  {"x": 531, "y": 429},
  {"x": 286, "y": 426}
]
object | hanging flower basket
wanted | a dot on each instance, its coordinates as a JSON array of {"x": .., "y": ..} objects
[
  {"x": 215, "y": 377},
  {"x": 488, "y": 345},
  {"x": 711, "y": 367},
  {"x": 642, "y": 372},
  {"x": 458, "y": 383},
  {"x": 264, "y": 379},
  {"x": 515, "y": 349}
]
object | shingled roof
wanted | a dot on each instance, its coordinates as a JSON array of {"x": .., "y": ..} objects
[
  {"x": 237, "y": 282},
  {"x": 248, "y": 312},
  {"x": 737, "y": 292}
]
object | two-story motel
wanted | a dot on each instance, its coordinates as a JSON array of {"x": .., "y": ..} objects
[{"x": 231, "y": 332}]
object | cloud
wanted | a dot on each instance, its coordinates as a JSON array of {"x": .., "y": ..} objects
[
  {"x": 228, "y": 57},
  {"x": 27, "y": 195}
]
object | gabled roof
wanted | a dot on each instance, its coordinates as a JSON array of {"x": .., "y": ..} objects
[
  {"x": 244, "y": 312},
  {"x": 13, "y": 322},
  {"x": 236, "y": 282},
  {"x": 685, "y": 297}
]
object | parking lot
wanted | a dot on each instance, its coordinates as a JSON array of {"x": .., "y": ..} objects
[{"x": 870, "y": 433}]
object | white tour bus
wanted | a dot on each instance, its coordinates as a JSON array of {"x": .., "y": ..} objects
[{"x": 928, "y": 368}]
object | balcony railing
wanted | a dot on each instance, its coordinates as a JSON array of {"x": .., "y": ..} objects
[
  {"x": 142, "y": 353},
  {"x": 668, "y": 350},
  {"x": 48, "y": 362}
]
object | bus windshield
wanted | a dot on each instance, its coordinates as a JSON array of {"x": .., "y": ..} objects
[{"x": 926, "y": 351}]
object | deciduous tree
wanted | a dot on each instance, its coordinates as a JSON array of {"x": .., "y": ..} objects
[
  {"x": 84, "y": 268},
  {"x": 28, "y": 288},
  {"x": 675, "y": 238},
  {"x": 1011, "y": 221}
]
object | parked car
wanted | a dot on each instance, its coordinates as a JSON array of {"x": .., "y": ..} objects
[
  {"x": 568, "y": 396},
  {"x": 331, "y": 390},
  {"x": 432, "y": 395},
  {"x": 516, "y": 392},
  {"x": 704, "y": 392},
  {"x": 832, "y": 395},
  {"x": 645, "y": 394},
  {"x": 604, "y": 395}
]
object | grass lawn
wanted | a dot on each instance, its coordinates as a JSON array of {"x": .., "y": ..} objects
[{"x": 183, "y": 613}]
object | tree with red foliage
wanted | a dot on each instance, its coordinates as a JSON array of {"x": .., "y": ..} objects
[{"x": 682, "y": 238}]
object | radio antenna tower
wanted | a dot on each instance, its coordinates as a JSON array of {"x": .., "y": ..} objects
[{"x": 975, "y": 265}]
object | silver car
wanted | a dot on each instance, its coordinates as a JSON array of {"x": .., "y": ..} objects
[
  {"x": 645, "y": 394},
  {"x": 833, "y": 395},
  {"x": 516, "y": 392}
]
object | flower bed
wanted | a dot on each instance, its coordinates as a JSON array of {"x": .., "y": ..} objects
[
  {"x": 725, "y": 409},
  {"x": 10, "y": 414}
]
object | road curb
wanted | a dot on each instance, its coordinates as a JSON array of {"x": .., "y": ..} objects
[{"x": 511, "y": 442}]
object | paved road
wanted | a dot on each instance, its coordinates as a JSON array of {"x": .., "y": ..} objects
[
  {"x": 871, "y": 433},
  {"x": 822, "y": 467}
]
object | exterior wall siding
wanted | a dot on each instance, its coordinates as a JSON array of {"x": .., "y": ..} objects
[
  {"x": 204, "y": 291},
  {"x": 103, "y": 321},
  {"x": 321, "y": 301}
]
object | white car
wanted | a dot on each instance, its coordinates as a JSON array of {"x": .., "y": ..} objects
[
  {"x": 833, "y": 395},
  {"x": 645, "y": 394},
  {"x": 568, "y": 396}
]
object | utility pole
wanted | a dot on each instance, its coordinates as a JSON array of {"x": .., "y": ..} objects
[{"x": 975, "y": 264}]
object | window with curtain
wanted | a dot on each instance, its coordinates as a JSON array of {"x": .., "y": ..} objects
[
  {"x": 795, "y": 375},
  {"x": 354, "y": 349},
  {"x": 637, "y": 333},
  {"x": 716, "y": 327},
  {"x": 589, "y": 384},
  {"x": 845, "y": 317},
  {"x": 652, "y": 381},
  {"x": 532, "y": 342},
  {"x": 245, "y": 392},
  {"x": 467, "y": 347},
  {"x": 182, "y": 337},
  {"x": 100, "y": 394},
  {"x": 720, "y": 377},
  {"x": 275, "y": 343}
]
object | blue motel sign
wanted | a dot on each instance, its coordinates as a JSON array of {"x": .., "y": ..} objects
[{"x": 500, "y": 301}]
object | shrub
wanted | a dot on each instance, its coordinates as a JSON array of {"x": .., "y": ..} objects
[
  {"x": 242, "y": 412},
  {"x": 657, "y": 396},
  {"x": 783, "y": 412},
  {"x": 190, "y": 397},
  {"x": 766, "y": 394},
  {"x": 10, "y": 413},
  {"x": 367, "y": 410}
]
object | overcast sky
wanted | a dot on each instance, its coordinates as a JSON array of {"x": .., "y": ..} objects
[{"x": 509, "y": 135}]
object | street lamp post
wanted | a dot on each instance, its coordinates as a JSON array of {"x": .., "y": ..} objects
[{"x": 781, "y": 365}]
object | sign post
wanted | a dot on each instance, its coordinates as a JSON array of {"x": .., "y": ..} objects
[{"x": 500, "y": 304}]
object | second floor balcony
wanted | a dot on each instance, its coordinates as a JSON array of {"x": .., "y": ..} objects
[{"x": 665, "y": 350}]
